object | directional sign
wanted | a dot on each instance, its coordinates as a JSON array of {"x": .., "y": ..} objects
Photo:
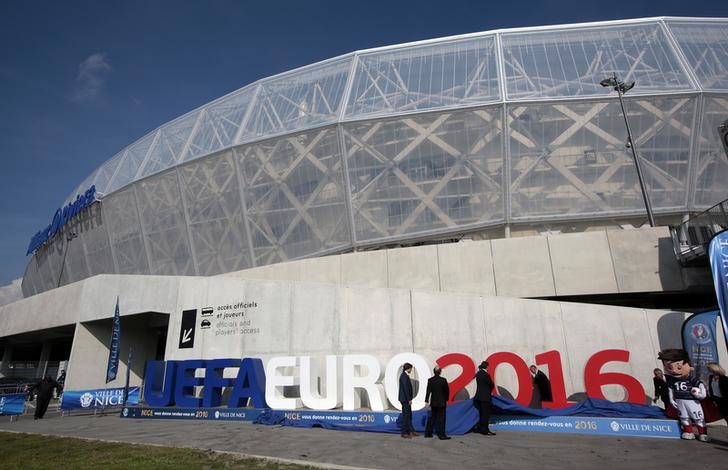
[{"x": 187, "y": 330}]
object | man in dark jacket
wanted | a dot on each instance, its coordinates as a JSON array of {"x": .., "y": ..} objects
[
  {"x": 542, "y": 384},
  {"x": 405, "y": 399},
  {"x": 482, "y": 399},
  {"x": 439, "y": 391},
  {"x": 44, "y": 393}
]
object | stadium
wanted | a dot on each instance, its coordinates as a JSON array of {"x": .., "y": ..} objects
[{"x": 488, "y": 176}]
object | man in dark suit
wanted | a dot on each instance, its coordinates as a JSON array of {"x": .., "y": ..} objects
[
  {"x": 405, "y": 399},
  {"x": 542, "y": 383},
  {"x": 438, "y": 389},
  {"x": 482, "y": 399}
]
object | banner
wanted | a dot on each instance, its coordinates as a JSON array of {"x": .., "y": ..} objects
[
  {"x": 718, "y": 253},
  {"x": 98, "y": 399},
  {"x": 12, "y": 404},
  {"x": 698, "y": 335},
  {"x": 115, "y": 346}
]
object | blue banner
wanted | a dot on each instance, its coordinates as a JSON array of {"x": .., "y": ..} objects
[
  {"x": 12, "y": 404},
  {"x": 98, "y": 399},
  {"x": 114, "y": 346},
  {"x": 718, "y": 253},
  {"x": 664, "y": 428},
  {"x": 698, "y": 335},
  {"x": 213, "y": 414}
]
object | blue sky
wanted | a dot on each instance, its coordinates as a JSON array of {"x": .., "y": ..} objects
[{"x": 80, "y": 80}]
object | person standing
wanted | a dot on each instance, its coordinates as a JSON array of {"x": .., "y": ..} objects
[
  {"x": 661, "y": 390},
  {"x": 718, "y": 388},
  {"x": 542, "y": 383},
  {"x": 405, "y": 399},
  {"x": 482, "y": 399},
  {"x": 61, "y": 381},
  {"x": 439, "y": 391},
  {"x": 44, "y": 393}
]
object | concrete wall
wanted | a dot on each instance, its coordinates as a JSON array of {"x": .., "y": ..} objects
[
  {"x": 295, "y": 318},
  {"x": 588, "y": 263}
]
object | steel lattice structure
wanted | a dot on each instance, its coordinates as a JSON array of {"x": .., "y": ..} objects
[{"x": 411, "y": 142}]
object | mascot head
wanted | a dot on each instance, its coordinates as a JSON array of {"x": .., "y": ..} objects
[{"x": 676, "y": 362}]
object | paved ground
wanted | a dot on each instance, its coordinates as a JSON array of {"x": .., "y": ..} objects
[{"x": 326, "y": 448}]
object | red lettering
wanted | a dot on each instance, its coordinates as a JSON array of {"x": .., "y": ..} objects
[
  {"x": 467, "y": 373},
  {"x": 594, "y": 378},
  {"x": 552, "y": 360},
  {"x": 525, "y": 390}
]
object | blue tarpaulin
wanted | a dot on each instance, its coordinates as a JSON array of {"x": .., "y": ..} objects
[{"x": 461, "y": 416}]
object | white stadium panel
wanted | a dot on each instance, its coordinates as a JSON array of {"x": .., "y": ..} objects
[
  {"x": 95, "y": 240},
  {"x": 163, "y": 225},
  {"x": 295, "y": 195},
  {"x": 711, "y": 162},
  {"x": 215, "y": 213},
  {"x": 133, "y": 158},
  {"x": 122, "y": 219},
  {"x": 102, "y": 178},
  {"x": 220, "y": 123},
  {"x": 421, "y": 173},
  {"x": 295, "y": 100},
  {"x": 170, "y": 145},
  {"x": 425, "y": 77},
  {"x": 572, "y": 62},
  {"x": 705, "y": 45},
  {"x": 572, "y": 159}
]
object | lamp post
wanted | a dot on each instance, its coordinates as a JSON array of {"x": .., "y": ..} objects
[
  {"x": 621, "y": 88},
  {"x": 69, "y": 236}
]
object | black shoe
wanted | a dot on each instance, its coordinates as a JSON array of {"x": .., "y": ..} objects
[
  {"x": 489, "y": 433},
  {"x": 444, "y": 438},
  {"x": 428, "y": 435}
]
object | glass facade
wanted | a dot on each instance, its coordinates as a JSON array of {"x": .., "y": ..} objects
[{"x": 408, "y": 142}]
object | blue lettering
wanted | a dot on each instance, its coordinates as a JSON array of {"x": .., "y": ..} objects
[
  {"x": 250, "y": 383},
  {"x": 61, "y": 218},
  {"x": 184, "y": 392},
  {"x": 159, "y": 382},
  {"x": 215, "y": 382},
  {"x": 173, "y": 383}
]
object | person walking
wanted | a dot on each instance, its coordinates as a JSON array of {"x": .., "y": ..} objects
[
  {"x": 405, "y": 399},
  {"x": 482, "y": 399},
  {"x": 44, "y": 393},
  {"x": 439, "y": 391}
]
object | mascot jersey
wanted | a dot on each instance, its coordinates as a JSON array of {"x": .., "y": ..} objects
[{"x": 681, "y": 386}]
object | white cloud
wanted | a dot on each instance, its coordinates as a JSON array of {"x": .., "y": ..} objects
[
  {"x": 91, "y": 77},
  {"x": 11, "y": 292}
]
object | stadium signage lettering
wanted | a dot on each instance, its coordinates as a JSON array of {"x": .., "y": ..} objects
[
  {"x": 61, "y": 218},
  {"x": 169, "y": 383}
]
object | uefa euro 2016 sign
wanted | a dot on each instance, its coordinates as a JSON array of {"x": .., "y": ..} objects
[
  {"x": 351, "y": 377},
  {"x": 61, "y": 218}
]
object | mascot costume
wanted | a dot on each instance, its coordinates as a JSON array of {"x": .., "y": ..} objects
[{"x": 686, "y": 391}]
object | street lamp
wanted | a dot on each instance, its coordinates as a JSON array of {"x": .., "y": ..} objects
[
  {"x": 621, "y": 87},
  {"x": 69, "y": 236}
]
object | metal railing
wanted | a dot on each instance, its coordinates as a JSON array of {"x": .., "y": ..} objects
[{"x": 691, "y": 238}]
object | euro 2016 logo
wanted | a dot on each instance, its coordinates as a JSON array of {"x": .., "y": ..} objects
[{"x": 700, "y": 333}]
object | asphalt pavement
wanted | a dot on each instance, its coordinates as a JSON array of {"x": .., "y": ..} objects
[{"x": 349, "y": 449}]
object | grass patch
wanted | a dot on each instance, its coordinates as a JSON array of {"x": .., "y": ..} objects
[{"x": 46, "y": 452}]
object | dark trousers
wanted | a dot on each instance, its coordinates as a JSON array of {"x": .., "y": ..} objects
[
  {"x": 722, "y": 405},
  {"x": 483, "y": 408},
  {"x": 436, "y": 418},
  {"x": 41, "y": 405},
  {"x": 405, "y": 420}
]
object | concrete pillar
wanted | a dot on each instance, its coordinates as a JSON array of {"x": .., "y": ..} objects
[
  {"x": 5, "y": 361},
  {"x": 45, "y": 353}
]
